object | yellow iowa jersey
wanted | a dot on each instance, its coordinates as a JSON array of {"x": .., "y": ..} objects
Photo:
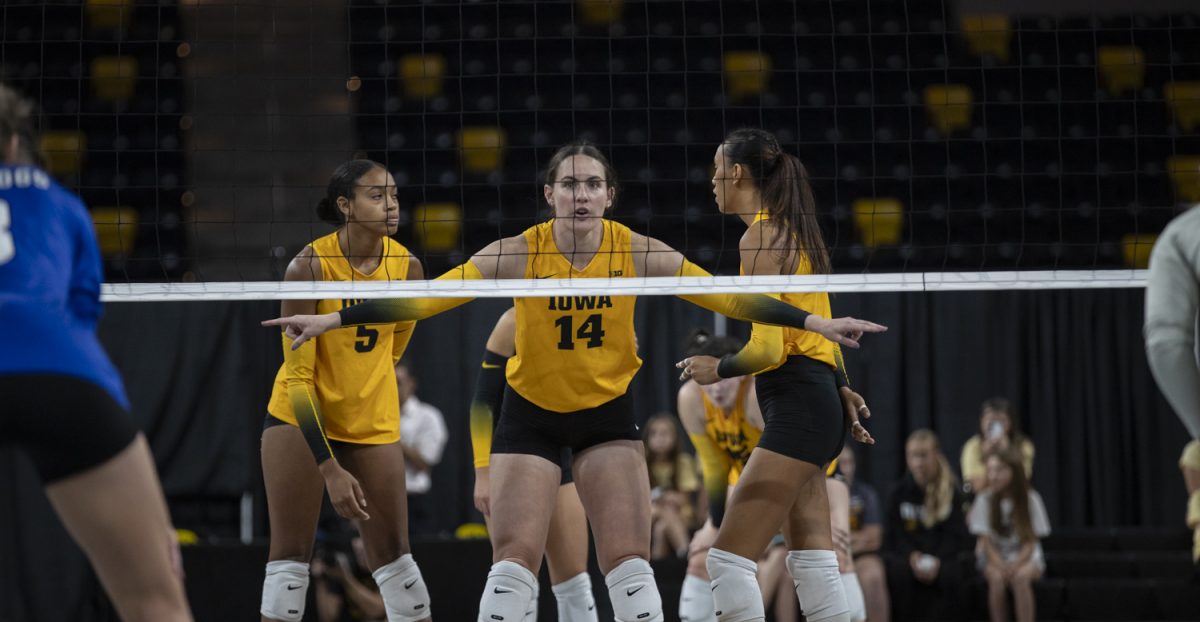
[
  {"x": 575, "y": 352},
  {"x": 354, "y": 374},
  {"x": 796, "y": 341},
  {"x": 732, "y": 433}
]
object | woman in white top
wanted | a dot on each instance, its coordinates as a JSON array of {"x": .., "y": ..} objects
[{"x": 1010, "y": 520}]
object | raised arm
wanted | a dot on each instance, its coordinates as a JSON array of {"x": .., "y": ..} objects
[{"x": 502, "y": 259}]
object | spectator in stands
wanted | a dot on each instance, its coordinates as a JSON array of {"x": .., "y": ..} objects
[
  {"x": 423, "y": 436},
  {"x": 674, "y": 486},
  {"x": 345, "y": 591},
  {"x": 997, "y": 430},
  {"x": 1189, "y": 463},
  {"x": 866, "y": 536},
  {"x": 1010, "y": 521},
  {"x": 925, "y": 540}
]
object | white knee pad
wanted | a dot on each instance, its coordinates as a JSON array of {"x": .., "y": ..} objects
[
  {"x": 818, "y": 585},
  {"x": 532, "y": 609},
  {"x": 633, "y": 592},
  {"x": 734, "y": 587},
  {"x": 405, "y": 596},
  {"x": 285, "y": 588},
  {"x": 854, "y": 597},
  {"x": 696, "y": 601},
  {"x": 508, "y": 593},
  {"x": 575, "y": 600}
]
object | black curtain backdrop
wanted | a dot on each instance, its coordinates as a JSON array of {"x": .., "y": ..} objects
[{"x": 199, "y": 376}]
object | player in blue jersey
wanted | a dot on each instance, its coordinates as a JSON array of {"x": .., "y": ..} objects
[{"x": 64, "y": 403}]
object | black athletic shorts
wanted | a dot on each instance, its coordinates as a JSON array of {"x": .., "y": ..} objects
[
  {"x": 66, "y": 424},
  {"x": 526, "y": 428},
  {"x": 271, "y": 421},
  {"x": 802, "y": 411}
]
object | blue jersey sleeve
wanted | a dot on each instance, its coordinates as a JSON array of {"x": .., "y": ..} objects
[{"x": 87, "y": 272}]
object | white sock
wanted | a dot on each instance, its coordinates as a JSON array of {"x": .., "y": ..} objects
[
  {"x": 854, "y": 597},
  {"x": 575, "y": 600},
  {"x": 696, "y": 601}
]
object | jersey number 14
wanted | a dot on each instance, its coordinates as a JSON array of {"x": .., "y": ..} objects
[{"x": 591, "y": 330}]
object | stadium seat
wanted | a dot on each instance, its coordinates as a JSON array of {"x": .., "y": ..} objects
[
  {"x": 1110, "y": 599},
  {"x": 481, "y": 148},
  {"x": 880, "y": 221},
  {"x": 114, "y": 78},
  {"x": 1183, "y": 98},
  {"x": 421, "y": 75},
  {"x": 437, "y": 226},
  {"x": 1122, "y": 68},
  {"x": 108, "y": 15},
  {"x": 63, "y": 151},
  {"x": 1185, "y": 177},
  {"x": 116, "y": 229},
  {"x": 988, "y": 35},
  {"x": 746, "y": 74},
  {"x": 948, "y": 106},
  {"x": 600, "y": 12},
  {"x": 1135, "y": 248}
]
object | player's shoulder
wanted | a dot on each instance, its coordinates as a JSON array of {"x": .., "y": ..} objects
[
  {"x": 305, "y": 266},
  {"x": 1184, "y": 226}
]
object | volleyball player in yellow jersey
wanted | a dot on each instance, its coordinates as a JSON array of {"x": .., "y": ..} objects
[
  {"x": 724, "y": 423},
  {"x": 798, "y": 391},
  {"x": 575, "y": 357},
  {"x": 566, "y": 537},
  {"x": 334, "y": 418}
]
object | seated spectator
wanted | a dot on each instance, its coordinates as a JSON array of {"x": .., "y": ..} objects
[
  {"x": 866, "y": 536},
  {"x": 674, "y": 485},
  {"x": 1189, "y": 463},
  {"x": 925, "y": 540},
  {"x": 422, "y": 437},
  {"x": 1009, "y": 520},
  {"x": 997, "y": 430},
  {"x": 345, "y": 591}
]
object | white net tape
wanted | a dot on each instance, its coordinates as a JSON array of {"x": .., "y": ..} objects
[{"x": 649, "y": 286}]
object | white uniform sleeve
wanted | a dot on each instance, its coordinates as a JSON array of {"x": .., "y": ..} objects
[
  {"x": 432, "y": 438},
  {"x": 1172, "y": 301}
]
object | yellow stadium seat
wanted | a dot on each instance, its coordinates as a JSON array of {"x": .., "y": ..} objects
[
  {"x": 746, "y": 74},
  {"x": 116, "y": 229},
  {"x": 988, "y": 35},
  {"x": 1185, "y": 177},
  {"x": 482, "y": 148},
  {"x": 880, "y": 221},
  {"x": 949, "y": 106},
  {"x": 105, "y": 15},
  {"x": 471, "y": 531},
  {"x": 63, "y": 151},
  {"x": 114, "y": 77},
  {"x": 1136, "y": 249},
  {"x": 600, "y": 12},
  {"x": 1122, "y": 68},
  {"x": 421, "y": 75},
  {"x": 438, "y": 226},
  {"x": 1183, "y": 98}
]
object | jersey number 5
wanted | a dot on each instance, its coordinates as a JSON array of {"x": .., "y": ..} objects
[
  {"x": 371, "y": 335},
  {"x": 7, "y": 248},
  {"x": 592, "y": 329}
]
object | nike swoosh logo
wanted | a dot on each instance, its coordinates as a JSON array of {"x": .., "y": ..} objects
[
  {"x": 294, "y": 587},
  {"x": 591, "y": 607},
  {"x": 502, "y": 591},
  {"x": 410, "y": 584},
  {"x": 548, "y": 276},
  {"x": 490, "y": 366},
  {"x": 634, "y": 590}
]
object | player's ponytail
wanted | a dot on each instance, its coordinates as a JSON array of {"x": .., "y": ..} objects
[
  {"x": 16, "y": 119},
  {"x": 787, "y": 195},
  {"x": 341, "y": 184}
]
